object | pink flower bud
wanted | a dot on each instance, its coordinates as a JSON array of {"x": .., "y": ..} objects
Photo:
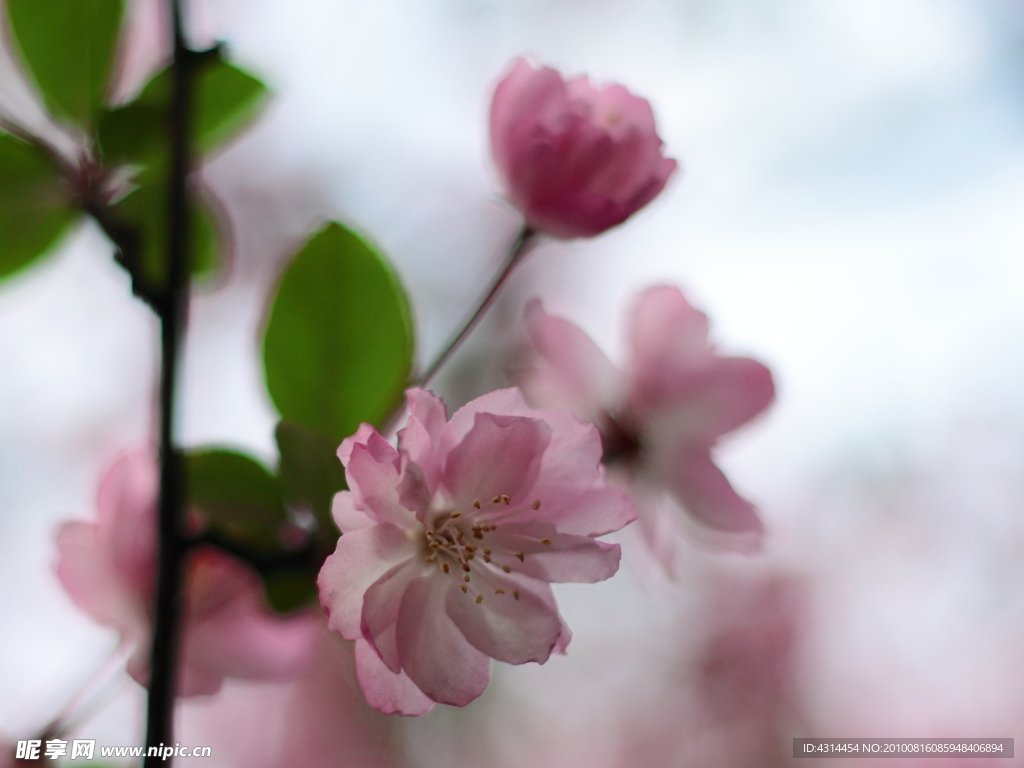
[{"x": 574, "y": 158}]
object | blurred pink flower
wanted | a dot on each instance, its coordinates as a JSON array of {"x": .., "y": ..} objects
[
  {"x": 450, "y": 543},
  {"x": 574, "y": 158},
  {"x": 660, "y": 420},
  {"x": 108, "y": 567}
]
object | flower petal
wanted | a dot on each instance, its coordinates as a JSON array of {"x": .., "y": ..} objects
[
  {"x": 372, "y": 472},
  {"x": 126, "y": 509},
  {"x": 514, "y": 627},
  {"x": 419, "y": 439},
  {"x": 361, "y": 437},
  {"x": 707, "y": 495},
  {"x": 717, "y": 400},
  {"x": 499, "y": 455},
  {"x": 595, "y": 512},
  {"x": 668, "y": 339},
  {"x": 85, "y": 570},
  {"x": 575, "y": 374},
  {"x": 386, "y": 691},
  {"x": 501, "y": 402},
  {"x": 380, "y": 610},
  {"x": 241, "y": 639},
  {"x": 564, "y": 558},
  {"x": 362, "y": 557},
  {"x": 346, "y": 515},
  {"x": 435, "y": 654}
]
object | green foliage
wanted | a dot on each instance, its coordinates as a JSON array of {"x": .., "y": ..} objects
[
  {"x": 226, "y": 99},
  {"x": 238, "y": 496},
  {"x": 68, "y": 45},
  {"x": 338, "y": 345},
  {"x": 290, "y": 588},
  {"x": 144, "y": 211},
  {"x": 310, "y": 470},
  {"x": 36, "y": 204}
]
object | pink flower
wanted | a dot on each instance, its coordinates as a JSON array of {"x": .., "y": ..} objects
[
  {"x": 450, "y": 543},
  {"x": 660, "y": 420},
  {"x": 107, "y": 568},
  {"x": 575, "y": 159}
]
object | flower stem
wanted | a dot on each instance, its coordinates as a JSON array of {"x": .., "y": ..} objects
[
  {"x": 172, "y": 309},
  {"x": 97, "y": 691},
  {"x": 524, "y": 242}
]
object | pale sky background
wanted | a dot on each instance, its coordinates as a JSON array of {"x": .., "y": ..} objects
[{"x": 851, "y": 213}]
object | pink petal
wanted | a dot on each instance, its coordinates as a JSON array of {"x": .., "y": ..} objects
[
  {"x": 428, "y": 410},
  {"x": 594, "y": 512},
  {"x": 380, "y": 610},
  {"x": 435, "y": 654},
  {"x": 386, "y": 691},
  {"x": 499, "y": 455},
  {"x": 361, "y": 437},
  {"x": 705, "y": 492},
  {"x": 523, "y": 96},
  {"x": 86, "y": 571},
  {"x": 346, "y": 515},
  {"x": 126, "y": 514},
  {"x": 362, "y": 557},
  {"x": 717, "y": 400},
  {"x": 564, "y": 638},
  {"x": 419, "y": 439},
  {"x": 511, "y": 627},
  {"x": 669, "y": 342},
  {"x": 500, "y": 402},
  {"x": 564, "y": 558},
  {"x": 372, "y": 472},
  {"x": 577, "y": 375}
]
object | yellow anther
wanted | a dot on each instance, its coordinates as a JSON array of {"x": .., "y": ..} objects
[
  {"x": 454, "y": 515},
  {"x": 465, "y": 567},
  {"x": 496, "y": 500},
  {"x": 499, "y": 591},
  {"x": 479, "y": 599},
  {"x": 536, "y": 504},
  {"x": 515, "y": 593},
  {"x": 487, "y": 558},
  {"x": 466, "y": 578},
  {"x": 445, "y": 568},
  {"x": 463, "y": 587},
  {"x": 521, "y": 556},
  {"x": 505, "y": 498},
  {"x": 476, "y": 503},
  {"x": 506, "y": 569},
  {"x": 545, "y": 541}
]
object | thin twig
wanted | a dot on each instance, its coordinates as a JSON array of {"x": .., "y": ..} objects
[
  {"x": 520, "y": 247},
  {"x": 172, "y": 310},
  {"x": 525, "y": 240}
]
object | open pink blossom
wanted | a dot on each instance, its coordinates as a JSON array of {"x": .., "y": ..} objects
[
  {"x": 108, "y": 567},
  {"x": 660, "y": 419},
  {"x": 574, "y": 158},
  {"x": 450, "y": 542}
]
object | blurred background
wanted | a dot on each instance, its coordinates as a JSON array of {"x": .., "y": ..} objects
[{"x": 851, "y": 212}]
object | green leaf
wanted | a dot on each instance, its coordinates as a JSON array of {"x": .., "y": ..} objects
[
  {"x": 291, "y": 588},
  {"x": 310, "y": 470},
  {"x": 338, "y": 345},
  {"x": 239, "y": 497},
  {"x": 36, "y": 204},
  {"x": 68, "y": 45},
  {"x": 226, "y": 99},
  {"x": 144, "y": 210}
]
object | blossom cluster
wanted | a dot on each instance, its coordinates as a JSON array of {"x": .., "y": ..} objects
[{"x": 450, "y": 540}]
